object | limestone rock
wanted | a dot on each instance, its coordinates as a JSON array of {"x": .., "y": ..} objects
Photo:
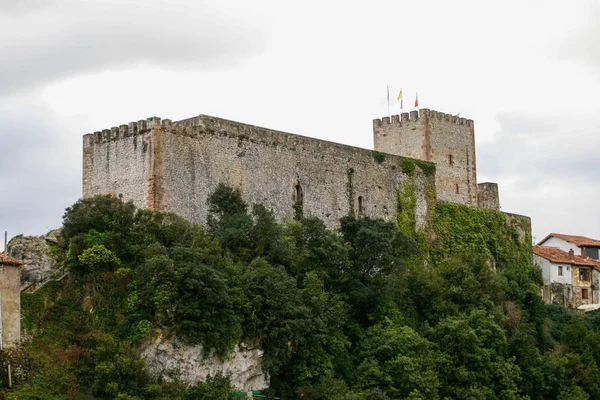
[
  {"x": 168, "y": 356},
  {"x": 34, "y": 251}
]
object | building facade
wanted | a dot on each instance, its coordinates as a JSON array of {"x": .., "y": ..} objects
[
  {"x": 569, "y": 279},
  {"x": 10, "y": 302}
]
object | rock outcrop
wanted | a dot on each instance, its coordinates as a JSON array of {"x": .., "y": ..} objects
[
  {"x": 165, "y": 357},
  {"x": 35, "y": 252}
]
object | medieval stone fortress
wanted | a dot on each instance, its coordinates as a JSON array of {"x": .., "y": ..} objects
[{"x": 174, "y": 166}]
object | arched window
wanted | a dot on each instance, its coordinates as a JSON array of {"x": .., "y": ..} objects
[
  {"x": 298, "y": 202},
  {"x": 361, "y": 206},
  {"x": 298, "y": 195}
]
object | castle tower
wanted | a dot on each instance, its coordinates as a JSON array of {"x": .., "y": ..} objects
[{"x": 446, "y": 140}]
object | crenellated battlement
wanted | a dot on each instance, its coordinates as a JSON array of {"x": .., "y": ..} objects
[
  {"x": 127, "y": 130},
  {"x": 415, "y": 116}
]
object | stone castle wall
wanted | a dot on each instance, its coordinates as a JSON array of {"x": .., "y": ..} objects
[
  {"x": 487, "y": 195},
  {"x": 183, "y": 162},
  {"x": 446, "y": 140},
  {"x": 121, "y": 161}
]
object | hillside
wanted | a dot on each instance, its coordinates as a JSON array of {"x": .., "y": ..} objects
[{"x": 375, "y": 310}]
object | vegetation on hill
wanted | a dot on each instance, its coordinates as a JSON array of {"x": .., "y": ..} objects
[{"x": 370, "y": 311}]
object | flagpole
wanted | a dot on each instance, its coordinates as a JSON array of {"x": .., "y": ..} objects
[{"x": 388, "y": 101}]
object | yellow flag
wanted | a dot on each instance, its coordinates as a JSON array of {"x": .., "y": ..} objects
[{"x": 400, "y": 95}]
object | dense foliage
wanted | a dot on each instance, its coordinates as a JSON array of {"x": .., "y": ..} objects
[{"x": 364, "y": 312}]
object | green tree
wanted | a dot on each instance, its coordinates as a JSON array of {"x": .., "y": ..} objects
[
  {"x": 377, "y": 248},
  {"x": 204, "y": 312},
  {"x": 99, "y": 215},
  {"x": 98, "y": 258}
]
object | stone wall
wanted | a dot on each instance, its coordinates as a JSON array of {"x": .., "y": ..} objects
[
  {"x": 579, "y": 285},
  {"x": 522, "y": 224},
  {"x": 267, "y": 166},
  {"x": 487, "y": 196},
  {"x": 442, "y": 138},
  {"x": 181, "y": 163},
  {"x": 123, "y": 162},
  {"x": 10, "y": 291}
]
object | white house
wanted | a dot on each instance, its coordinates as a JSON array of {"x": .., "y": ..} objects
[
  {"x": 581, "y": 245},
  {"x": 569, "y": 279}
]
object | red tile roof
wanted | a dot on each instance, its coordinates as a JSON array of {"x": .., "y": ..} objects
[
  {"x": 557, "y": 255},
  {"x": 576, "y": 240},
  {"x": 6, "y": 260}
]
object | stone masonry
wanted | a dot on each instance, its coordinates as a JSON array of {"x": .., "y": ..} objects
[
  {"x": 487, "y": 195},
  {"x": 174, "y": 166},
  {"x": 10, "y": 301},
  {"x": 446, "y": 140}
]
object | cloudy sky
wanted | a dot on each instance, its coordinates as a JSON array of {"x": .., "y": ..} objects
[{"x": 527, "y": 72}]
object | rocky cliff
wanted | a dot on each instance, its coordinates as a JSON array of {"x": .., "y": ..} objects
[
  {"x": 165, "y": 357},
  {"x": 35, "y": 252}
]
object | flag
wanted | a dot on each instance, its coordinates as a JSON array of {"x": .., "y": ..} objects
[
  {"x": 401, "y": 100},
  {"x": 417, "y": 101}
]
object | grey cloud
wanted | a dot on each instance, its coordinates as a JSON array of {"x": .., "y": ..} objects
[
  {"x": 39, "y": 171},
  {"x": 552, "y": 166},
  {"x": 22, "y": 7},
  {"x": 72, "y": 38},
  {"x": 584, "y": 43},
  {"x": 542, "y": 150}
]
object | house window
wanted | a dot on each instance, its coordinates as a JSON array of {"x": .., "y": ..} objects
[
  {"x": 361, "y": 206},
  {"x": 584, "y": 294},
  {"x": 560, "y": 270},
  {"x": 584, "y": 274}
]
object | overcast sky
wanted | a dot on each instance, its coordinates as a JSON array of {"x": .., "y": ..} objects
[{"x": 527, "y": 72}]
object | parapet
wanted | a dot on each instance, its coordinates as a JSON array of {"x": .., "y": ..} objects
[
  {"x": 415, "y": 116},
  {"x": 487, "y": 196},
  {"x": 128, "y": 130}
]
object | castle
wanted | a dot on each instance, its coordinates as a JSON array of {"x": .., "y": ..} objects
[{"x": 175, "y": 166}]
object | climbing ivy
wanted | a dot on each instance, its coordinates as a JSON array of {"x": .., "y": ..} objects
[
  {"x": 378, "y": 156},
  {"x": 409, "y": 166},
  {"x": 427, "y": 167}
]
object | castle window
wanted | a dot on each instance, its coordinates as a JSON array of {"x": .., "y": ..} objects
[
  {"x": 298, "y": 195},
  {"x": 298, "y": 202},
  {"x": 450, "y": 159},
  {"x": 361, "y": 206},
  {"x": 584, "y": 294},
  {"x": 560, "y": 270},
  {"x": 456, "y": 187}
]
